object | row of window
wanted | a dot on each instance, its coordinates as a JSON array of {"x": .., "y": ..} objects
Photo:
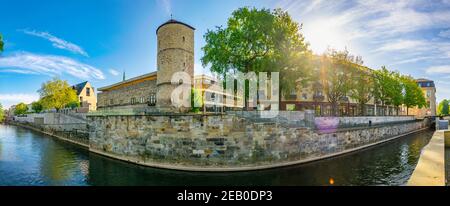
[{"x": 151, "y": 100}]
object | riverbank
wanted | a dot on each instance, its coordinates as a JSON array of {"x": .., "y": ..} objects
[
  {"x": 235, "y": 142},
  {"x": 430, "y": 171},
  {"x": 80, "y": 143},
  {"x": 49, "y": 161},
  {"x": 283, "y": 150},
  {"x": 181, "y": 167}
]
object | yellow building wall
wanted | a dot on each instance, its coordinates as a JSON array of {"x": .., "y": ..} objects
[{"x": 88, "y": 101}]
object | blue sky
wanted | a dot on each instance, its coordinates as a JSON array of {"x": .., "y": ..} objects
[{"x": 97, "y": 40}]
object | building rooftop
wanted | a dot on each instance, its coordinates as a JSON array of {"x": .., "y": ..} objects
[
  {"x": 173, "y": 21},
  {"x": 423, "y": 80},
  {"x": 79, "y": 87},
  {"x": 128, "y": 81}
]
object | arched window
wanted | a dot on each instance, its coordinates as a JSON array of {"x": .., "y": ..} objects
[{"x": 184, "y": 39}]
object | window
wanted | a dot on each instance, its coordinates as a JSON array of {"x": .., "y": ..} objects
[
  {"x": 111, "y": 101},
  {"x": 133, "y": 100},
  {"x": 293, "y": 92},
  {"x": 152, "y": 100},
  {"x": 142, "y": 100},
  {"x": 88, "y": 91},
  {"x": 81, "y": 99},
  {"x": 106, "y": 102},
  {"x": 305, "y": 96},
  {"x": 428, "y": 94},
  {"x": 184, "y": 39}
]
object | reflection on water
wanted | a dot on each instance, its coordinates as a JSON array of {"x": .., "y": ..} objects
[{"x": 28, "y": 158}]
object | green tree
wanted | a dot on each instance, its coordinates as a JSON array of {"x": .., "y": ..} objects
[
  {"x": 412, "y": 94},
  {"x": 258, "y": 40},
  {"x": 57, "y": 94},
  {"x": 2, "y": 113},
  {"x": 383, "y": 84},
  {"x": 20, "y": 109},
  {"x": 443, "y": 108},
  {"x": 395, "y": 90},
  {"x": 73, "y": 105},
  {"x": 337, "y": 70},
  {"x": 37, "y": 106},
  {"x": 362, "y": 88},
  {"x": 1, "y": 43}
]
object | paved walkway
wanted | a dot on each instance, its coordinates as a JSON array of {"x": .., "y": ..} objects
[{"x": 430, "y": 170}]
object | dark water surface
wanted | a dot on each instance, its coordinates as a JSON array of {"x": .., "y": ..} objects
[
  {"x": 29, "y": 158},
  {"x": 447, "y": 166}
]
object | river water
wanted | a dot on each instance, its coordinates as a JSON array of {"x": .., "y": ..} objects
[{"x": 30, "y": 158}]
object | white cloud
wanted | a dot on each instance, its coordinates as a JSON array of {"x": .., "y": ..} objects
[
  {"x": 58, "y": 43},
  {"x": 18, "y": 71},
  {"x": 28, "y": 63},
  {"x": 11, "y": 99},
  {"x": 443, "y": 69},
  {"x": 402, "y": 45},
  {"x": 167, "y": 5},
  {"x": 445, "y": 33},
  {"x": 384, "y": 32},
  {"x": 114, "y": 72}
]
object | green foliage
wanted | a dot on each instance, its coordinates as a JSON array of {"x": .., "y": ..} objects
[
  {"x": 412, "y": 93},
  {"x": 362, "y": 90},
  {"x": 73, "y": 105},
  {"x": 1, "y": 43},
  {"x": 2, "y": 113},
  {"x": 388, "y": 87},
  {"x": 258, "y": 40},
  {"x": 395, "y": 90},
  {"x": 337, "y": 70},
  {"x": 443, "y": 108},
  {"x": 37, "y": 106},
  {"x": 20, "y": 109},
  {"x": 197, "y": 99},
  {"x": 57, "y": 94}
]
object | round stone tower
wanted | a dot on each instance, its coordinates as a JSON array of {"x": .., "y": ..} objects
[{"x": 175, "y": 54}]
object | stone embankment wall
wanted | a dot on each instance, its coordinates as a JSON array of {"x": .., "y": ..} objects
[
  {"x": 364, "y": 120},
  {"x": 55, "y": 121},
  {"x": 230, "y": 142},
  {"x": 65, "y": 126}
]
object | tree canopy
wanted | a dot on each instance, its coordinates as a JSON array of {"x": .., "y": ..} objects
[
  {"x": 362, "y": 90},
  {"x": 337, "y": 70},
  {"x": 443, "y": 108},
  {"x": 258, "y": 40},
  {"x": 37, "y": 106},
  {"x": 57, "y": 94},
  {"x": 20, "y": 109},
  {"x": 412, "y": 94}
]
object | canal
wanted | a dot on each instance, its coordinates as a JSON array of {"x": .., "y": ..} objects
[{"x": 30, "y": 158}]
